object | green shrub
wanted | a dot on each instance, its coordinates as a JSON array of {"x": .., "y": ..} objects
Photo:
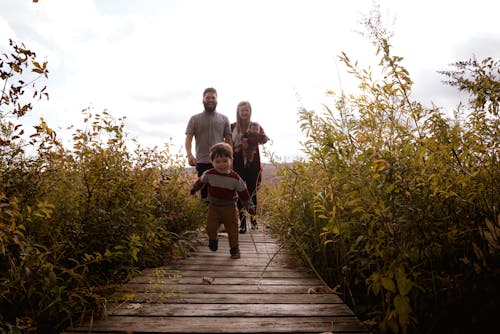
[
  {"x": 74, "y": 223},
  {"x": 396, "y": 205}
]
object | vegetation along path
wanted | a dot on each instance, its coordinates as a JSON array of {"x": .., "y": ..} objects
[{"x": 209, "y": 292}]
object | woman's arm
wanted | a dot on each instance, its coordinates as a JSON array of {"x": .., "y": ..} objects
[{"x": 263, "y": 138}]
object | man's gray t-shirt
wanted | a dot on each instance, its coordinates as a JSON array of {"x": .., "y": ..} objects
[{"x": 207, "y": 128}]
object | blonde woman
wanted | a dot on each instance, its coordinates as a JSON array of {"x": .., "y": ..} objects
[{"x": 247, "y": 136}]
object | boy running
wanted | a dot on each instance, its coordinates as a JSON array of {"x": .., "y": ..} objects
[{"x": 225, "y": 186}]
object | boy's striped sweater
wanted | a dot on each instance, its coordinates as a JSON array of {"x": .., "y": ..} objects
[{"x": 224, "y": 189}]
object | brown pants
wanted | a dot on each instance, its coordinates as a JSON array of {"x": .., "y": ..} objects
[{"x": 227, "y": 215}]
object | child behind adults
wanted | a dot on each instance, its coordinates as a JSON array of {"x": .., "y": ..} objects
[{"x": 225, "y": 187}]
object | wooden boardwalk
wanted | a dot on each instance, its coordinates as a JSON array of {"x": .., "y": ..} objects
[{"x": 211, "y": 293}]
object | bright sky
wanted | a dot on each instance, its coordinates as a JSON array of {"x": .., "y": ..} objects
[{"x": 150, "y": 60}]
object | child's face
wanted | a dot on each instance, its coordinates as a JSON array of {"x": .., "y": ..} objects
[
  {"x": 254, "y": 128},
  {"x": 222, "y": 164}
]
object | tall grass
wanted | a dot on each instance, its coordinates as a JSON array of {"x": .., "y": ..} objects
[
  {"x": 75, "y": 222},
  {"x": 397, "y": 205}
]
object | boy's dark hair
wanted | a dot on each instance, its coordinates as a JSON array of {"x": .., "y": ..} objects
[
  {"x": 221, "y": 150},
  {"x": 210, "y": 90}
]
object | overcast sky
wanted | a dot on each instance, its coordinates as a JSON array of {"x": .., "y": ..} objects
[{"x": 150, "y": 60}]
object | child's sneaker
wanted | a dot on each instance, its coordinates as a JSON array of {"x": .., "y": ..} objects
[
  {"x": 235, "y": 253},
  {"x": 212, "y": 244}
]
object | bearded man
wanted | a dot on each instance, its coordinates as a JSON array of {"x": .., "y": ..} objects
[{"x": 207, "y": 128}]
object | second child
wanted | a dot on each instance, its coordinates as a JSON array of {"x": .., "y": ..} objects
[{"x": 225, "y": 187}]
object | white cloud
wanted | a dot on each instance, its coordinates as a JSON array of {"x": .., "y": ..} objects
[{"x": 151, "y": 60}]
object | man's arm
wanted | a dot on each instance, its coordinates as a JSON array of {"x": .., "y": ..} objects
[
  {"x": 228, "y": 134},
  {"x": 187, "y": 144}
]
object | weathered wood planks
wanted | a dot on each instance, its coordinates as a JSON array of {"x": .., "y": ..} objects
[{"x": 211, "y": 293}]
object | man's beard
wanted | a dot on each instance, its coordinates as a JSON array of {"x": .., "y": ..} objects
[{"x": 210, "y": 107}]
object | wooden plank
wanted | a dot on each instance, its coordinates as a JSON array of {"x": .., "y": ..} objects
[
  {"x": 208, "y": 288},
  {"x": 176, "y": 297},
  {"x": 227, "y": 261},
  {"x": 240, "y": 267},
  {"x": 248, "y": 295},
  {"x": 230, "y": 310},
  {"x": 251, "y": 258},
  {"x": 247, "y": 241},
  {"x": 223, "y": 249},
  {"x": 247, "y": 253},
  {"x": 250, "y": 239},
  {"x": 248, "y": 249},
  {"x": 228, "y": 273},
  {"x": 229, "y": 280},
  {"x": 207, "y": 325}
]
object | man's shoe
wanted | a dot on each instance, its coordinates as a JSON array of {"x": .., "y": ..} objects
[
  {"x": 235, "y": 253},
  {"x": 212, "y": 244}
]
